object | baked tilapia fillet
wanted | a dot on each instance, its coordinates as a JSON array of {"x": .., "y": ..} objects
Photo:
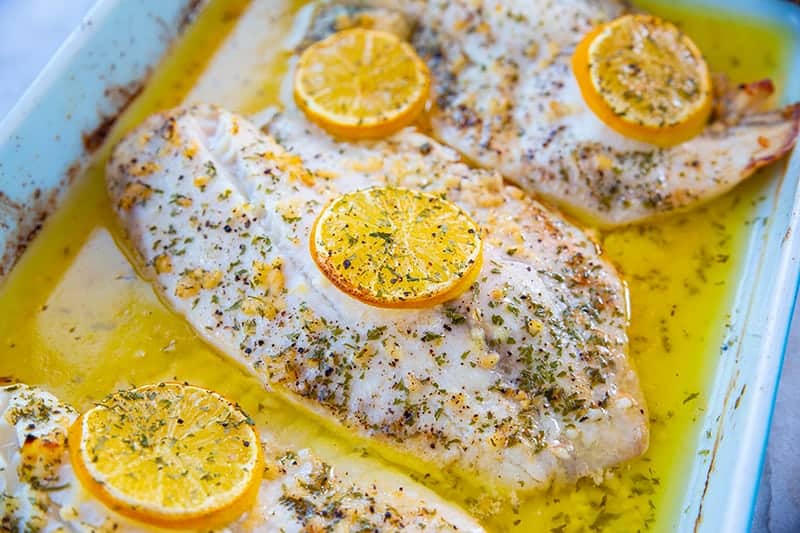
[
  {"x": 521, "y": 381},
  {"x": 39, "y": 490},
  {"x": 505, "y": 96}
]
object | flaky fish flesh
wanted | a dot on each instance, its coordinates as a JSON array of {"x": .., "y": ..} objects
[{"x": 523, "y": 380}]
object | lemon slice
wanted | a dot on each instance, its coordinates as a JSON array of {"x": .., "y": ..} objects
[
  {"x": 645, "y": 79},
  {"x": 170, "y": 455},
  {"x": 361, "y": 83},
  {"x": 393, "y": 247}
]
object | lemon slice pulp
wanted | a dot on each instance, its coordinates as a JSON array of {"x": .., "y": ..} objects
[
  {"x": 361, "y": 83},
  {"x": 169, "y": 455},
  {"x": 394, "y": 247},
  {"x": 645, "y": 79}
]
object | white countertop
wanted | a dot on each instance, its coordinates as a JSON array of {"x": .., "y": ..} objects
[{"x": 32, "y": 30}]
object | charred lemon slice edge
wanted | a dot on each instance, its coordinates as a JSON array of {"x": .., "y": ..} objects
[
  {"x": 169, "y": 455},
  {"x": 361, "y": 83},
  {"x": 395, "y": 247},
  {"x": 644, "y": 79}
]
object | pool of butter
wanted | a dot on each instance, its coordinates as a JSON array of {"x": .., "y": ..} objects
[{"x": 79, "y": 321}]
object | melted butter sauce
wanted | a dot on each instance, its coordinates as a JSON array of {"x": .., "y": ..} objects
[{"x": 79, "y": 320}]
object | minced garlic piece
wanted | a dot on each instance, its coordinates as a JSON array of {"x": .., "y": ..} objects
[
  {"x": 488, "y": 360},
  {"x": 201, "y": 181},
  {"x": 365, "y": 354},
  {"x": 458, "y": 399},
  {"x": 292, "y": 165},
  {"x": 143, "y": 169},
  {"x": 187, "y": 287},
  {"x": 269, "y": 276},
  {"x": 193, "y": 281},
  {"x": 558, "y": 110},
  {"x": 253, "y": 306},
  {"x": 371, "y": 164},
  {"x": 163, "y": 264},
  {"x": 326, "y": 174},
  {"x": 190, "y": 151},
  {"x": 211, "y": 279},
  {"x": 135, "y": 193},
  {"x": 603, "y": 162},
  {"x": 534, "y": 326},
  {"x": 499, "y": 438},
  {"x": 288, "y": 210},
  {"x": 412, "y": 383}
]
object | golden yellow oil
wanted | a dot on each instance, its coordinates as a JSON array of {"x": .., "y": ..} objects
[{"x": 79, "y": 321}]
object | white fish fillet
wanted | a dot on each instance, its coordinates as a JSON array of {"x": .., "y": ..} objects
[
  {"x": 39, "y": 490},
  {"x": 505, "y": 97},
  {"x": 522, "y": 381}
]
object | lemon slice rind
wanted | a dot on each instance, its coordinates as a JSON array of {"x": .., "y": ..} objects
[
  {"x": 361, "y": 83},
  {"x": 644, "y": 79},
  {"x": 397, "y": 248},
  {"x": 164, "y": 461}
]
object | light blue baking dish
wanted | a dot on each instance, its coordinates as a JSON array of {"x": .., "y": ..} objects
[{"x": 48, "y": 138}]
